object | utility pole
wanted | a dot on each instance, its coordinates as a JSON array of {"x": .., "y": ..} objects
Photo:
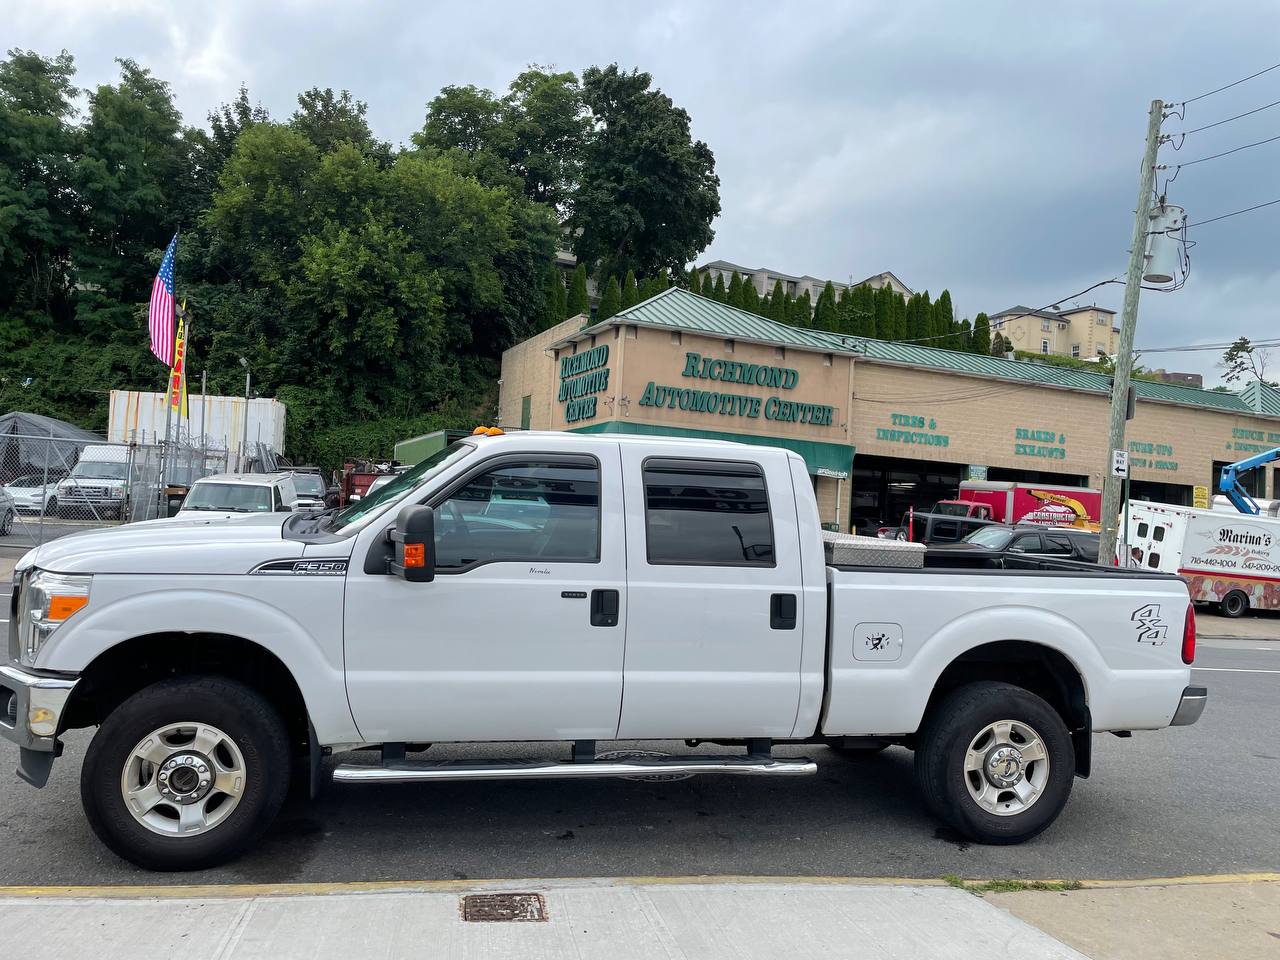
[{"x": 1112, "y": 487}]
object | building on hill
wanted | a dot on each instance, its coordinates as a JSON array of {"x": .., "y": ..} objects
[
  {"x": 1080, "y": 332},
  {"x": 764, "y": 279},
  {"x": 880, "y": 426}
]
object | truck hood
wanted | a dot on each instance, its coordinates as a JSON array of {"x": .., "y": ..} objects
[{"x": 177, "y": 545}]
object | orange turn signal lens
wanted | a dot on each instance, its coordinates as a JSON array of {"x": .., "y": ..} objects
[
  {"x": 494, "y": 431},
  {"x": 415, "y": 555},
  {"x": 60, "y": 608},
  {"x": 480, "y": 431}
]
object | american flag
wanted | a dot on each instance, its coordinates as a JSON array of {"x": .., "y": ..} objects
[{"x": 160, "y": 315}]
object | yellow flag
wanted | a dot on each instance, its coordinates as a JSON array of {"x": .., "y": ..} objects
[{"x": 177, "y": 376}]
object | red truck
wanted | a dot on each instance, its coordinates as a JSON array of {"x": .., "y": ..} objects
[{"x": 1006, "y": 501}]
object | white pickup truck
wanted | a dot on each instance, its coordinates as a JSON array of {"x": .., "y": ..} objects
[{"x": 571, "y": 590}]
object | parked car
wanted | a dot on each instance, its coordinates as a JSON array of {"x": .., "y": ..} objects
[
  {"x": 8, "y": 511},
  {"x": 31, "y": 493},
  {"x": 664, "y": 589},
  {"x": 1000, "y": 545},
  {"x": 230, "y": 493}
]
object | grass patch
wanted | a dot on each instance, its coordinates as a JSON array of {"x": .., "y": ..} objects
[{"x": 979, "y": 887}]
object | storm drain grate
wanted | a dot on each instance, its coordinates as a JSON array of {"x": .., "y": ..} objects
[{"x": 500, "y": 907}]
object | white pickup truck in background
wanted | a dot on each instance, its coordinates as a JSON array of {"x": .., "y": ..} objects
[{"x": 567, "y": 589}]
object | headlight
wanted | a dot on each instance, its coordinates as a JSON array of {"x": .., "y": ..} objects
[
  {"x": 115, "y": 493},
  {"x": 47, "y": 600}
]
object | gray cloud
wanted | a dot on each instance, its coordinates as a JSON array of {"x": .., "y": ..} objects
[{"x": 989, "y": 148}]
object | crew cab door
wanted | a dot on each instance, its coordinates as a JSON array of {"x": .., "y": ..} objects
[
  {"x": 520, "y": 635},
  {"x": 715, "y": 606}
]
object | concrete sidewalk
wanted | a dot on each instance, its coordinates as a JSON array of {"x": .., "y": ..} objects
[{"x": 586, "y": 920}]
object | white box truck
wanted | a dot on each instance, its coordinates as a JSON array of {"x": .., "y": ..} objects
[{"x": 1228, "y": 559}]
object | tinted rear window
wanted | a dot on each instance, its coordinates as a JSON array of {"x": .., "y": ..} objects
[{"x": 709, "y": 513}]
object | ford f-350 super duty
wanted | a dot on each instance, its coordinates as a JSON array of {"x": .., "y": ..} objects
[{"x": 565, "y": 589}]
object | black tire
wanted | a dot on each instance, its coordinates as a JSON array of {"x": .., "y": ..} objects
[
  {"x": 6, "y": 523},
  {"x": 51, "y": 506},
  {"x": 948, "y": 730},
  {"x": 240, "y": 712},
  {"x": 1235, "y": 604}
]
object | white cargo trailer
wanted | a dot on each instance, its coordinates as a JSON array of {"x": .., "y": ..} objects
[{"x": 213, "y": 422}]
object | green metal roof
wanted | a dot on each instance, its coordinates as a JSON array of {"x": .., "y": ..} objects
[
  {"x": 679, "y": 309},
  {"x": 1262, "y": 397}
]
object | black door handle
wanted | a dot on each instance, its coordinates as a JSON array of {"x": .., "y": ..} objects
[
  {"x": 604, "y": 608},
  {"x": 782, "y": 611}
]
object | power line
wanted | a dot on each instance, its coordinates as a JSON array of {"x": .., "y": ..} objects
[
  {"x": 1215, "y": 156},
  {"x": 1234, "y": 213},
  {"x": 1218, "y": 123},
  {"x": 1234, "y": 83},
  {"x": 1198, "y": 347}
]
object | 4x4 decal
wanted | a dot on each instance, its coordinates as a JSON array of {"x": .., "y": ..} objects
[{"x": 1151, "y": 628}]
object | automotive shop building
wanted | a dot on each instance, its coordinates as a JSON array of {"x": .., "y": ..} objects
[{"x": 882, "y": 426}]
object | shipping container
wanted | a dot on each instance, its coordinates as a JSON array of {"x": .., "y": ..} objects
[{"x": 214, "y": 422}]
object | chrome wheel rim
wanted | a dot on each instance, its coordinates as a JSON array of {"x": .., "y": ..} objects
[
  {"x": 1006, "y": 767},
  {"x": 183, "y": 779}
]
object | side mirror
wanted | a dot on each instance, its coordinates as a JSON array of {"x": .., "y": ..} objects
[
  {"x": 413, "y": 538},
  {"x": 284, "y": 508}
]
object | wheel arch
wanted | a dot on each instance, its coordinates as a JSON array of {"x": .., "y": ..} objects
[
  {"x": 1036, "y": 667},
  {"x": 122, "y": 670}
]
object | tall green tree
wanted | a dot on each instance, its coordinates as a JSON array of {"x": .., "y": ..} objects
[
  {"x": 327, "y": 119},
  {"x": 964, "y": 338},
  {"x": 861, "y": 312},
  {"x": 37, "y": 205},
  {"x": 733, "y": 296},
  {"x": 824, "y": 311},
  {"x": 579, "y": 300},
  {"x": 630, "y": 292},
  {"x": 610, "y": 300},
  {"x": 802, "y": 315},
  {"x": 718, "y": 292},
  {"x": 549, "y": 315},
  {"x": 944, "y": 330},
  {"x": 777, "y": 309},
  {"x": 750, "y": 298},
  {"x": 980, "y": 341},
  {"x": 649, "y": 191}
]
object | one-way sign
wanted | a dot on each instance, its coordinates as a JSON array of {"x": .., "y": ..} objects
[{"x": 1119, "y": 463}]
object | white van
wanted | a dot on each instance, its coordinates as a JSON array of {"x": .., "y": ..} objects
[
  {"x": 234, "y": 493},
  {"x": 1229, "y": 559}
]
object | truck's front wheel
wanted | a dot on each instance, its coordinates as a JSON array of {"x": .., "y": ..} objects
[
  {"x": 186, "y": 773},
  {"x": 996, "y": 762}
]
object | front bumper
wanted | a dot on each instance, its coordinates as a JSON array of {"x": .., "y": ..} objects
[
  {"x": 1190, "y": 706},
  {"x": 32, "y": 707}
]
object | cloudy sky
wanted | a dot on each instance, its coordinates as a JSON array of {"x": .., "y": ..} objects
[{"x": 989, "y": 148}]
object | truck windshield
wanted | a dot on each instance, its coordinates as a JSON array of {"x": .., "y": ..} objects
[
  {"x": 401, "y": 484},
  {"x": 97, "y": 470},
  {"x": 232, "y": 497},
  {"x": 951, "y": 509},
  {"x": 309, "y": 484},
  {"x": 993, "y": 538}
]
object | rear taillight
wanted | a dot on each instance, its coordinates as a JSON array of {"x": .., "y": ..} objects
[{"x": 1189, "y": 635}]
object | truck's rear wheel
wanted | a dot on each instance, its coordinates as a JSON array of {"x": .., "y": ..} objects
[
  {"x": 996, "y": 762},
  {"x": 186, "y": 773},
  {"x": 1235, "y": 604}
]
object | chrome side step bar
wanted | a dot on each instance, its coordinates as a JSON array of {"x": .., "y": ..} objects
[{"x": 405, "y": 772}]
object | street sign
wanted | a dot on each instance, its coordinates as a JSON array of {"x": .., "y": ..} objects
[
  {"x": 1119, "y": 463},
  {"x": 1200, "y": 497}
]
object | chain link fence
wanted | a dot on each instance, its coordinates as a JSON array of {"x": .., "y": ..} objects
[{"x": 52, "y": 486}]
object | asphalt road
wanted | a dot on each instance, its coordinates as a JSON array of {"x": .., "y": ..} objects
[
  {"x": 28, "y": 531},
  {"x": 1192, "y": 800}
]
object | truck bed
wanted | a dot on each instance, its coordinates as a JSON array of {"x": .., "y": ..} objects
[{"x": 893, "y": 631}]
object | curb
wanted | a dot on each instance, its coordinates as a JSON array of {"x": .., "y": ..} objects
[{"x": 226, "y": 891}]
